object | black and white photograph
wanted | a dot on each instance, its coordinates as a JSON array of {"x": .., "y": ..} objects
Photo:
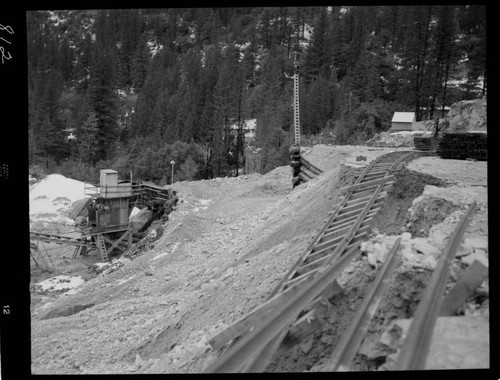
[{"x": 242, "y": 189}]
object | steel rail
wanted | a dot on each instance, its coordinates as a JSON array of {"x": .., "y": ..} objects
[
  {"x": 368, "y": 168},
  {"x": 239, "y": 358},
  {"x": 416, "y": 346},
  {"x": 258, "y": 363},
  {"x": 320, "y": 234},
  {"x": 250, "y": 345},
  {"x": 345, "y": 351}
]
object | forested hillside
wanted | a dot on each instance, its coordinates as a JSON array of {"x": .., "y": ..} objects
[{"x": 135, "y": 89}]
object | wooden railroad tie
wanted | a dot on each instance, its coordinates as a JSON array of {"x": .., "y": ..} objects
[{"x": 367, "y": 184}]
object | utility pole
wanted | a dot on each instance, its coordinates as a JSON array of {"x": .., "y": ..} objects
[{"x": 172, "y": 163}]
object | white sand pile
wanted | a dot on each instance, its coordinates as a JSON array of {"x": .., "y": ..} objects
[{"x": 52, "y": 198}]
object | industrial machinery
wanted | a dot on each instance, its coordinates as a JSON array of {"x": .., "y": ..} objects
[{"x": 104, "y": 215}]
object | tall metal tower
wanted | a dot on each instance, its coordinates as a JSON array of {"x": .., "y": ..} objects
[{"x": 296, "y": 114}]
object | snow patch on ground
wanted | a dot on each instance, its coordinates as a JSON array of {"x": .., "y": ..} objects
[
  {"x": 125, "y": 280},
  {"x": 202, "y": 204},
  {"x": 162, "y": 254},
  {"x": 60, "y": 283}
]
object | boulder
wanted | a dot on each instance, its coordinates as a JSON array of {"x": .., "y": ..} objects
[
  {"x": 479, "y": 255},
  {"x": 478, "y": 242},
  {"x": 421, "y": 245},
  {"x": 457, "y": 342},
  {"x": 464, "y": 249}
]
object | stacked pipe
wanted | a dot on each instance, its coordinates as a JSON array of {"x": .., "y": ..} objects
[
  {"x": 464, "y": 145},
  {"x": 303, "y": 170},
  {"x": 425, "y": 143},
  {"x": 307, "y": 170}
]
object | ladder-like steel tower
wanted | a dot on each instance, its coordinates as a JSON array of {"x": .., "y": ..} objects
[{"x": 296, "y": 112}]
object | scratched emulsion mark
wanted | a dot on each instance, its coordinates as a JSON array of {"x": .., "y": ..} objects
[{"x": 5, "y": 54}]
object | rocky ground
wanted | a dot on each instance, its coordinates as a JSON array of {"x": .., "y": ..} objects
[{"x": 228, "y": 244}]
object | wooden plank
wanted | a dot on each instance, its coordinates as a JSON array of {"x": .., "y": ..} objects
[
  {"x": 354, "y": 215},
  {"x": 342, "y": 230},
  {"x": 375, "y": 173},
  {"x": 363, "y": 193},
  {"x": 350, "y": 220},
  {"x": 310, "y": 247},
  {"x": 303, "y": 177},
  {"x": 329, "y": 244},
  {"x": 349, "y": 215},
  {"x": 336, "y": 232},
  {"x": 472, "y": 278},
  {"x": 357, "y": 200},
  {"x": 367, "y": 184},
  {"x": 301, "y": 277},
  {"x": 355, "y": 206},
  {"x": 346, "y": 215},
  {"x": 308, "y": 172},
  {"x": 340, "y": 224},
  {"x": 311, "y": 265},
  {"x": 310, "y": 166},
  {"x": 364, "y": 199}
]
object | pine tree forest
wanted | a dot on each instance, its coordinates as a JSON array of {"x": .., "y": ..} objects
[{"x": 135, "y": 89}]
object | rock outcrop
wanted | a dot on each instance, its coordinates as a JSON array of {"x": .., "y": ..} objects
[{"x": 467, "y": 115}]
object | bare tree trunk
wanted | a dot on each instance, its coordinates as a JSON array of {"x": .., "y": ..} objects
[
  {"x": 421, "y": 65},
  {"x": 483, "y": 92},
  {"x": 446, "y": 73}
]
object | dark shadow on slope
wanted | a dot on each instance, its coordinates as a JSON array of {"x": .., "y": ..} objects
[{"x": 393, "y": 217}]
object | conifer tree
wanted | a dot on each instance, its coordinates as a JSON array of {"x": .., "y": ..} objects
[
  {"x": 319, "y": 57},
  {"x": 102, "y": 89}
]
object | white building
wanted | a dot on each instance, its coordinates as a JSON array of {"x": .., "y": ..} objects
[{"x": 402, "y": 121}]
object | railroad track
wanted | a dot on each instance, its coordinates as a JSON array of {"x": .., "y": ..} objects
[
  {"x": 312, "y": 278},
  {"x": 291, "y": 309},
  {"x": 350, "y": 223}
]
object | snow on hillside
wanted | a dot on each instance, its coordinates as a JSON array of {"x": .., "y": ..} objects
[{"x": 154, "y": 46}]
